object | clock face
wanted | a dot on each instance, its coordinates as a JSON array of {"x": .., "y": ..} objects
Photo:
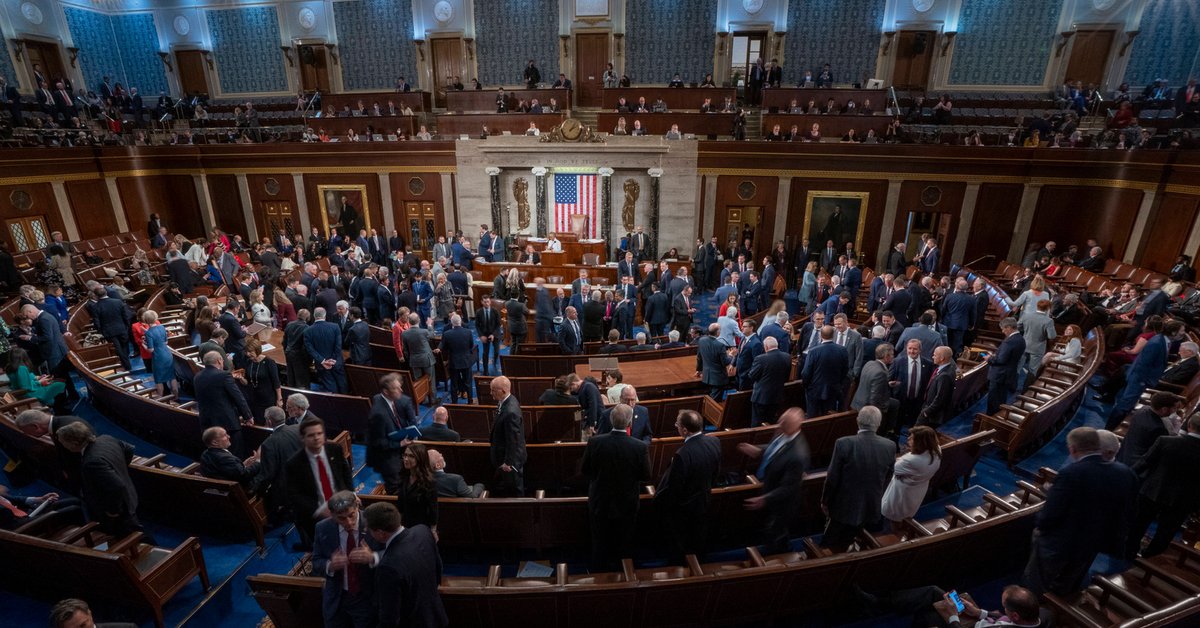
[
  {"x": 922, "y": 5},
  {"x": 32, "y": 12},
  {"x": 571, "y": 128},
  {"x": 308, "y": 19},
  {"x": 752, "y": 6},
  {"x": 1103, "y": 5},
  {"x": 443, "y": 11},
  {"x": 181, "y": 25}
]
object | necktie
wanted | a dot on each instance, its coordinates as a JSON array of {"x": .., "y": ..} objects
[
  {"x": 913, "y": 367},
  {"x": 767, "y": 455},
  {"x": 932, "y": 375},
  {"x": 575, "y": 328},
  {"x": 395, "y": 415},
  {"x": 326, "y": 485},
  {"x": 816, "y": 337},
  {"x": 686, "y": 304},
  {"x": 841, "y": 339},
  {"x": 351, "y": 570},
  {"x": 17, "y": 512}
]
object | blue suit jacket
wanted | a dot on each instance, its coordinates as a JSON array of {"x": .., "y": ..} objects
[
  {"x": 639, "y": 429},
  {"x": 825, "y": 370},
  {"x": 460, "y": 255},
  {"x": 958, "y": 311},
  {"x": 1150, "y": 363},
  {"x": 1002, "y": 367},
  {"x": 327, "y": 541},
  {"x": 1088, "y": 509},
  {"x": 774, "y": 330},
  {"x": 323, "y": 340},
  {"x": 458, "y": 345},
  {"x": 769, "y": 373},
  {"x": 751, "y": 348},
  {"x": 930, "y": 261},
  {"x": 853, "y": 282}
]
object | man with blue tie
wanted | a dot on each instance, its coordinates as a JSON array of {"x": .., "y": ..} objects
[
  {"x": 825, "y": 372},
  {"x": 323, "y": 341},
  {"x": 1003, "y": 365},
  {"x": 781, "y": 470},
  {"x": 769, "y": 373},
  {"x": 570, "y": 338},
  {"x": 627, "y": 267}
]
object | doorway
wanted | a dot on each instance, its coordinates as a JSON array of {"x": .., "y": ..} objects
[
  {"x": 46, "y": 57},
  {"x": 914, "y": 59},
  {"x": 273, "y": 216},
  {"x": 747, "y": 48},
  {"x": 421, "y": 224},
  {"x": 28, "y": 234},
  {"x": 591, "y": 59},
  {"x": 314, "y": 68},
  {"x": 192, "y": 78},
  {"x": 1089, "y": 56},
  {"x": 940, "y": 224},
  {"x": 447, "y": 64},
  {"x": 745, "y": 223}
]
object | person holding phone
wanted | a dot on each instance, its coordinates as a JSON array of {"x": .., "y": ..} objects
[{"x": 1019, "y": 607}]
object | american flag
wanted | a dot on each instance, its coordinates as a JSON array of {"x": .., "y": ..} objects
[{"x": 574, "y": 194}]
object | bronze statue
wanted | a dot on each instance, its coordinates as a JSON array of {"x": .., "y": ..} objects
[
  {"x": 521, "y": 196},
  {"x": 632, "y": 192}
]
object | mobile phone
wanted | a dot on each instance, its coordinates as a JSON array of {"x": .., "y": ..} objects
[{"x": 958, "y": 605}]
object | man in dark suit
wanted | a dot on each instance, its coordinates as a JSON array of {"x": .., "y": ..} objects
[
  {"x": 182, "y": 274},
  {"x": 769, "y": 373},
  {"x": 682, "y": 310},
  {"x": 323, "y": 341},
  {"x": 408, "y": 569},
  {"x": 396, "y": 242},
  {"x": 639, "y": 427},
  {"x": 342, "y": 557},
  {"x": 507, "y": 440},
  {"x": 592, "y": 318},
  {"x": 657, "y": 311},
  {"x": 874, "y": 385},
  {"x": 682, "y": 496},
  {"x": 750, "y": 348},
  {"x": 47, "y": 335},
  {"x": 929, "y": 261},
  {"x": 219, "y": 401},
  {"x": 1147, "y": 367},
  {"x": 982, "y": 301},
  {"x": 897, "y": 261},
  {"x": 112, "y": 319},
  {"x": 900, "y": 302},
  {"x": 1088, "y": 509},
  {"x": 939, "y": 394},
  {"x": 958, "y": 314},
  {"x": 617, "y": 467},
  {"x": 217, "y": 461},
  {"x": 358, "y": 339},
  {"x": 458, "y": 347},
  {"x": 858, "y": 474},
  {"x": 1003, "y": 365},
  {"x": 391, "y": 410},
  {"x": 518, "y": 324},
  {"x": 639, "y": 244},
  {"x": 712, "y": 359},
  {"x": 824, "y": 374},
  {"x": 1186, "y": 368},
  {"x": 12, "y": 98},
  {"x": 628, "y": 267},
  {"x": 487, "y": 326},
  {"x": 230, "y": 321},
  {"x": 781, "y": 469},
  {"x": 37, "y": 424},
  {"x": 1170, "y": 491},
  {"x": 1146, "y": 426},
  {"x": 570, "y": 336},
  {"x": 107, "y": 490},
  {"x": 1094, "y": 262},
  {"x": 313, "y": 476},
  {"x": 451, "y": 484},
  {"x": 913, "y": 372},
  {"x": 438, "y": 431},
  {"x": 274, "y": 453}
]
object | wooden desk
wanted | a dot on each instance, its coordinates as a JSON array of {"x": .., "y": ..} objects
[
  {"x": 653, "y": 377},
  {"x": 485, "y": 99},
  {"x": 782, "y": 97},
  {"x": 568, "y": 272},
  {"x": 832, "y": 126},
  {"x": 572, "y": 249},
  {"x": 701, "y": 124},
  {"x": 384, "y": 125},
  {"x": 679, "y": 98},
  {"x": 417, "y": 101},
  {"x": 454, "y": 124}
]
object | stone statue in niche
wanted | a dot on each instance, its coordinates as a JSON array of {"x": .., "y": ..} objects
[
  {"x": 521, "y": 196},
  {"x": 632, "y": 192}
]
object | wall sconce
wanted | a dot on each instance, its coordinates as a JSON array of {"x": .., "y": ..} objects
[
  {"x": 1066, "y": 38},
  {"x": 618, "y": 38},
  {"x": 420, "y": 44},
  {"x": 287, "y": 53},
  {"x": 208, "y": 58},
  {"x": 1129, "y": 37},
  {"x": 74, "y": 55},
  {"x": 165, "y": 57},
  {"x": 947, "y": 38},
  {"x": 469, "y": 41},
  {"x": 721, "y": 37},
  {"x": 888, "y": 36},
  {"x": 565, "y": 38},
  {"x": 18, "y": 48},
  {"x": 332, "y": 48}
]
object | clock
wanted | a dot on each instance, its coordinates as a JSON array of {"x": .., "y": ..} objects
[
  {"x": 922, "y": 5},
  {"x": 752, "y": 6},
  {"x": 181, "y": 25},
  {"x": 443, "y": 11},
  {"x": 32, "y": 12},
  {"x": 571, "y": 129},
  {"x": 308, "y": 19}
]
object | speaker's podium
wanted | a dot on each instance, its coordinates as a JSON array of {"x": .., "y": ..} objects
[{"x": 574, "y": 249}]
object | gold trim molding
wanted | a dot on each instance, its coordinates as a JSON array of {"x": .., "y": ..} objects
[
  {"x": 151, "y": 172},
  {"x": 949, "y": 178}
]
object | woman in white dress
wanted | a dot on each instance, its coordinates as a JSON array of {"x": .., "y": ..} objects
[{"x": 913, "y": 470}]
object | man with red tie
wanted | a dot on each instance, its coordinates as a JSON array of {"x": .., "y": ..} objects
[
  {"x": 45, "y": 99},
  {"x": 313, "y": 476},
  {"x": 342, "y": 555},
  {"x": 64, "y": 103},
  {"x": 391, "y": 410}
]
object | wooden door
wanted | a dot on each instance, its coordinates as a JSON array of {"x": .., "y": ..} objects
[
  {"x": 447, "y": 64},
  {"x": 192, "y": 78},
  {"x": 591, "y": 58},
  {"x": 1089, "y": 56},
  {"x": 28, "y": 234},
  {"x": 314, "y": 68},
  {"x": 943, "y": 226},
  {"x": 421, "y": 224},
  {"x": 46, "y": 56},
  {"x": 273, "y": 216},
  {"x": 914, "y": 58}
]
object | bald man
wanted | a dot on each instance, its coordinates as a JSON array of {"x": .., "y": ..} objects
[
  {"x": 507, "y": 441},
  {"x": 939, "y": 395}
]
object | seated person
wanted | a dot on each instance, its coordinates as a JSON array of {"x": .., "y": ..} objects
[
  {"x": 535, "y": 106},
  {"x": 614, "y": 343},
  {"x": 831, "y": 107},
  {"x": 530, "y": 256},
  {"x": 707, "y": 106},
  {"x": 563, "y": 82},
  {"x": 641, "y": 106},
  {"x": 219, "y": 463},
  {"x": 552, "y": 107},
  {"x": 16, "y": 511},
  {"x": 774, "y": 135},
  {"x": 795, "y": 107},
  {"x": 673, "y": 341},
  {"x": 813, "y": 134},
  {"x": 708, "y": 81},
  {"x": 793, "y": 134},
  {"x": 851, "y": 108},
  {"x": 676, "y": 82},
  {"x": 865, "y": 109},
  {"x": 659, "y": 106},
  {"x": 532, "y": 130},
  {"x": 560, "y": 395},
  {"x": 641, "y": 345},
  {"x": 450, "y": 484},
  {"x": 637, "y": 128},
  {"x": 674, "y": 133},
  {"x": 623, "y": 106},
  {"x": 850, "y": 136}
]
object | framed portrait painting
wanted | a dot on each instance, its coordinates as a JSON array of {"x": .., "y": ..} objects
[
  {"x": 837, "y": 216},
  {"x": 344, "y": 207}
]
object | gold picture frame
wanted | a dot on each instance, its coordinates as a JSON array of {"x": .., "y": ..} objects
[
  {"x": 331, "y": 208},
  {"x": 820, "y": 206}
]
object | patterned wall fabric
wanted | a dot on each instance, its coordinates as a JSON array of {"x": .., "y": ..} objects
[
  {"x": 508, "y": 33},
  {"x": 842, "y": 33},
  {"x": 362, "y": 26},
  {"x": 1004, "y": 42},
  {"x": 663, "y": 37},
  {"x": 99, "y": 56},
  {"x": 246, "y": 49},
  {"x": 1168, "y": 46},
  {"x": 6, "y": 68},
  {"x": 137, "y": 42}
]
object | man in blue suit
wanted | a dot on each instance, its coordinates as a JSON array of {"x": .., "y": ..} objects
[
  {"x": 458, "y": 345},
  {"x": 769, "y": 373},
  {"x": 880, "y": 289},
  {"x": 391, "y": 410},
  {"x": 323, "y": 341},
  {"x": 751, "y": 348},
  {"x": 570, "y": 339},
  {"x": 461, "y": 253},
  {"x": 836, "y": 304},
  {"x": 658, "y": 311},
  {"x": 640, "y": 428},
  {"x": 825, "y": 370},
  {"x": 900, "y": 302},
  {"x": 1003, "y": 365},
  {"x": 1153, "y": 304},
  {"x": 342, "y": 555},
  {"x": 775, "y": 329},
  {"x": 1147, "y": 367},
  {"x": 929, "y": 262},
  {"x": 853, "y": 279},
  {"x": 111, "y": 317},
  {"x": 712, "y": 358},
  {"x": 958, "y": 314},
  {"x": 1088, "y": 510}
]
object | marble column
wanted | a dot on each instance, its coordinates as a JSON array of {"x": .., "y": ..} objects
[
  {"x": 494, "y": 179},
  {"x": 1137, "y": 237},
  {"x": 385, "y": 197},
  {"x": 965, "y": 218},
  {"x": 64, "y": 210},
  {"x": 247, "y": 208},
  {"x": 114, "y": 197},
  {"x": 207, "y": 217},
  {"x": 782, "y": 200},
  {"x": 1029, "y": 200},
  {"x": 655, "y": 184},
  {"x": 887, "y": 236},
  {"x": 606, "y": 205},
  {"x": 539, "y": 190}
]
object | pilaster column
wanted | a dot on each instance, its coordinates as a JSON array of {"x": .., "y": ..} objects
[
  {"x": 781, "y": 210},
  {"x": 708, "y": 218},
  {"x": 385, "y": 197},
  {"x": 64, "y": 210},
  {"x": 114, "y": 197},
  {"x": 302, "y": 205},
  {"x": 655, "y": 187},
  {"x": 494, "y": 182},
  {"x": 606, "y": 205},
  {"x": 970, "y": 198},
  {"x": 247, "y": 210},
  {"x": 539, "y": 192},
  {"x": 1137, "y": 240},
  {"x": 449, "y": 205},
  {"x": 1024, "y": 223},
  {"x": 207, "y": 217},
  {"x": 887, "y": 233}
]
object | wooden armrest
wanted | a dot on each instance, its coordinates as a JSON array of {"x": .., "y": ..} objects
[
  {"x": 154, "y": 461},
  {"x": 85, "y": 530},
  {"x": 998, "y": 503},
  {"x": 756, "y": 557},
  {"x": 693, "y": 564},
  {"x": 811, "y": 548},
  {"x": 1121, "y": 593},
  {"x": 957, "y": 515},
  {"x": 28, "y": 401},
  {"x": 917, "y": 527},
  {"x": 1031, "y": 489},
  {"x": 125, "y": 545}
]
